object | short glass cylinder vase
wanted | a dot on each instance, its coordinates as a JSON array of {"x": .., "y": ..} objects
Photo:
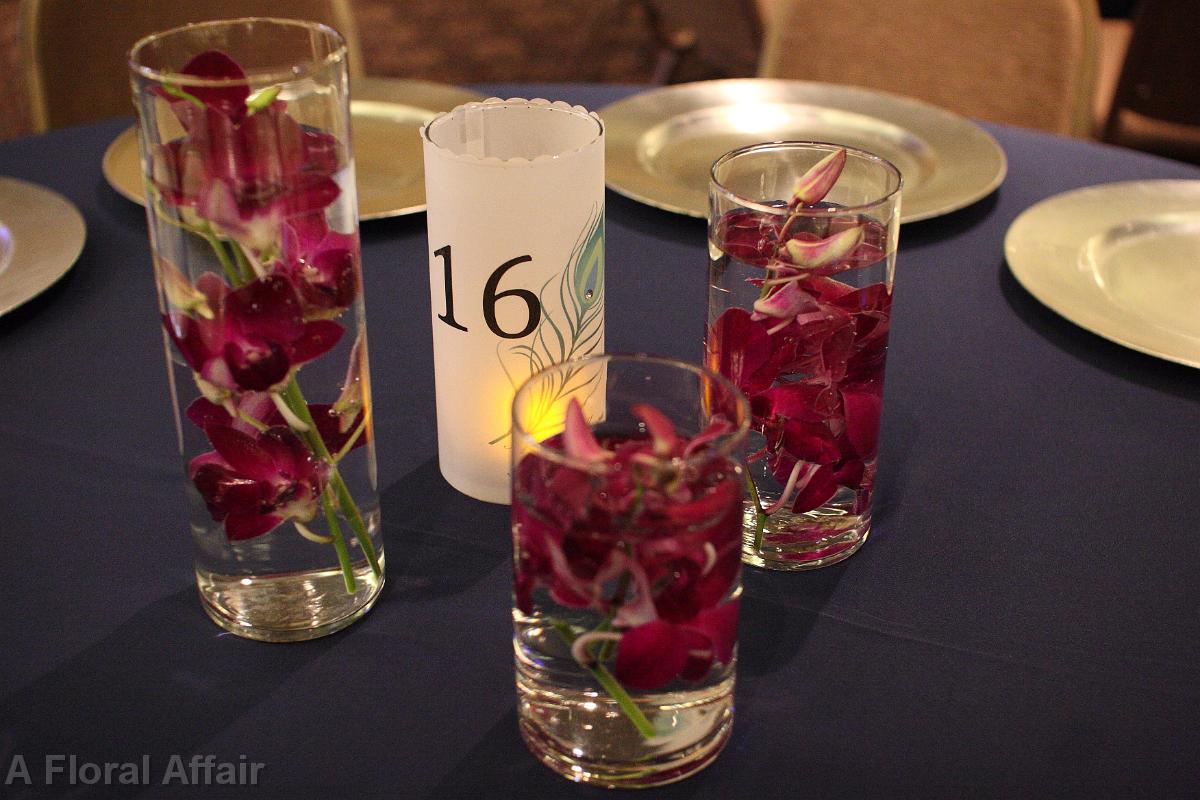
[
  {"x": 802, "y": 248},
  {"x": 244, "y": 132},
  {"x": 626, "y": 522}
]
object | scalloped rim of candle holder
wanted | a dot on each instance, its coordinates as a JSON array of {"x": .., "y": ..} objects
[{"x": 515, "y": 161}]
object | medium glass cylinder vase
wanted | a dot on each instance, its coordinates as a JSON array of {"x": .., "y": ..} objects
[
  {"x": 626, "y": 522},
  {"x": 244, "y": 132},
  {"x": 802, "y": 251}
]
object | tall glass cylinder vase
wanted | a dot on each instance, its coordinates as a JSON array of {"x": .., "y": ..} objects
[
  {"x": 802, "y": 248},
  {"x": 245, "y": 142},
  {"x": 627, "y": 509}
]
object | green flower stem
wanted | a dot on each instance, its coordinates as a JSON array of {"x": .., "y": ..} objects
[
  {"x": 618, "y": 693},
  {"x": 299, "y": 406},
  {"x": 231, "y": 272},
  {"x": 784, "y": 232},
  {"x": 604, "y": 652},
  {"x": 243, "y": 264},
  {"x": 610, "y": 684},
  {"x": 175, "y": 91},
  {"x": 205, "y": 233},
  {"x": 258, "y": 425},
  {"x": 349, "y": 445},
  {"x": 760, "y": 516},
  {"x": 346, "y": 502},
  {"x": 339, "y": 543},
  {"x": 261, "y": 99}
]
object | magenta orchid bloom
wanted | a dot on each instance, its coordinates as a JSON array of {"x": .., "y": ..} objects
[
  {"x": 654, "y": 653},
  {"x": 749, "y": 236},
  {"x": 651, "y": 514},
  {"x": 258, "y": 407},
  {"x": 256, "y": 479},
  {"x": 810, "y": 355},
  {"x": 255, "y": 338},
  {"x": 255, "y": 482},
  {"x": 248, "y": 413},
  {"x": 812, "y": 186},
  {"x": 810, "y": 252},
  {"x": 243, "y": 166},
  {"x": 322, "y": 264}
]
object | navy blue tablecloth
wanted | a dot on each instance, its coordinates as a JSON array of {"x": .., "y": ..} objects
[{"x": 1024, "y": 621}]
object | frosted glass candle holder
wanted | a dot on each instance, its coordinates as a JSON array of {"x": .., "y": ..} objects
[{"x": 515, "y": 197}]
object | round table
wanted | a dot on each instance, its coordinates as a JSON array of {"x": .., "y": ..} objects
[{"x": 1024, "y": 621}]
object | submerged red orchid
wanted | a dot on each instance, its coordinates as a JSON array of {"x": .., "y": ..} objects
[
  {"x": 654, "y": 653},
  {"x": 260, "y": 474},
  {"x": 251, "y": 338},
  {"x": 644, "y": 530},
  {"x": 254, "y": 482},
  {"x": 810, "y": 353},
  {"x": 244, "y": 164},
  {"x": 322, "y": 264},
  {"x": 255, "y": 410}
]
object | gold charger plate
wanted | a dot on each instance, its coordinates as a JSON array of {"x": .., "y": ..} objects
[
  {"x": 661, "y": 143},
  {"x": 41, "y": 236},
  {"x": 1121, "y": 260},
  {"x": 387, "y": 115}
]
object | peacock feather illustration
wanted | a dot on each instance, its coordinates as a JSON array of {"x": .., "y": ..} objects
[{"x": 572, "y": 326}]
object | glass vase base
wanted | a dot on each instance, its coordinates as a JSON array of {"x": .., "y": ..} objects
[
  {"x": 290, "y": 606},
  {"x": 796, "y": 542},
  {"x": 584, "y": 735}
]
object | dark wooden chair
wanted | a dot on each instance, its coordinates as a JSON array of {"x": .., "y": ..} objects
[
  {"x": 705, "y": 39},
  {"x": 1021, "y": 62},
  {"x": 1156, "y": 106},
  {"x": 75, "y": 50}
]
